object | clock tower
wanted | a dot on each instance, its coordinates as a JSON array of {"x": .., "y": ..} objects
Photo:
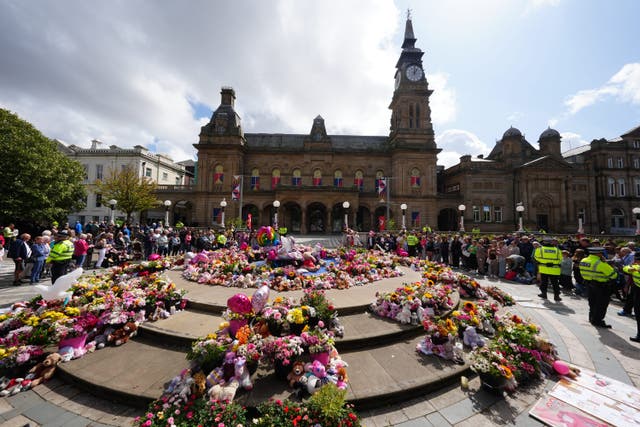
[{"x": 411, "y": 140}]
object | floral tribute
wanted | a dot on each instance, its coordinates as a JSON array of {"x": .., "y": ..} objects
[
  {"x": 248, "y": 268},
  {"x": 102, "y": 309},
  {"x": 222, "y": 363}
]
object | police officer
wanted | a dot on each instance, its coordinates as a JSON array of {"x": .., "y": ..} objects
[
  {"x": 60, "y": 255},
  {"x": 634, "y": 271},
  {"x": 548, "y": 258},
  {"x": 597, "y": 276}
]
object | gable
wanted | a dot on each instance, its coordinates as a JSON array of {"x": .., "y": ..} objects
[{"x": 546, "y": 162}]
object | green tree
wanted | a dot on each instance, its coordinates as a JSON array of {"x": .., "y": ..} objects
[
  {"x": 38, "y": 182},
  {"x": 133, "y": 193}
]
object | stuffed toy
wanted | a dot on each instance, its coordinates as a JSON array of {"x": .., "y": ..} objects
[
  {"x": 122, "y": 335},
  {"x": 487, "y": 327},
  {"x": 226, "y": 392},
  {"x": 297, "y": 372},
  {"x": 471, "y": 338},
  {"x": 228, "y": 366},
  {"x": 405, "y": 315},
  {"x": 14, "y": 386},
  {"x": 336, "y": 326},
  {"x": 216, "y": 376},
  {"x": 68, "y": 353},
  {"x": 199, "y": 384},
  {"x": 180, "y": 387},
  {"x": 343, "y": 379},
  {"x": 44, "y": 370},
  {"x": 563, "y": 368},
  {"x": 241, "y": 373},
  {"x": 316, "y": 376}
]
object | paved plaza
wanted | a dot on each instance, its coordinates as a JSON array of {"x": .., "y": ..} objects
[{"x": 608, "y": 352}]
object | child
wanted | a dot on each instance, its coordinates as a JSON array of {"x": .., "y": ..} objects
[{"x": 566, "y": 267}]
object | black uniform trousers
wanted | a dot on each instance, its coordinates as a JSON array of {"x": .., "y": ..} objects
[
  {"x": 58, "y": 268},
  {"x": 544, "y": 284},
  {"x": 599, "y": 295},
  {"x": 636, "y": 307}
]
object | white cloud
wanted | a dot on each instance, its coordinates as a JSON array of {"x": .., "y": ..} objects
[
  {"x": 515, "y": 117},
  {"x": 456, "y": 143},
  {"x": 624, "y": 86},
  {"x": 443, "y": 100}
]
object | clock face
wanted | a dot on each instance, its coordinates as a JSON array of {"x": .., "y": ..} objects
[
  {"x": 414, "y": 73},
  {"x": 398, "y": 77}
]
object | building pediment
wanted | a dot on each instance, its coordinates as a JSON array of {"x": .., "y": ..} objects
[
  {"x": 633, "y": 133},
  {"x": 546, "y": 162}
]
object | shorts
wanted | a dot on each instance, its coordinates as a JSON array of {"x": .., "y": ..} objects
[{"x": 19, "y": 265}]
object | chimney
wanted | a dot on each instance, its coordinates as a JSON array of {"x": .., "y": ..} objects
[
  {"x": 228, "y": 96},
  {"x": 95, "y": 144}
]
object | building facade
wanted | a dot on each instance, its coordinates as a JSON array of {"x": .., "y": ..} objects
[{"x": 99, "y": 162}]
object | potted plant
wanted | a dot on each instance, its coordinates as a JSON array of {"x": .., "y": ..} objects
[
  {"x": 320, "y": 343},
  {"x": 282, "y": 352},
  {"x": 208, "y": 352}
]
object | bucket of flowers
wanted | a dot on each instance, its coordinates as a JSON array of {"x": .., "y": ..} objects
[
  {"x": 248, "y": 344},
  {"x": 320, "y": 343},
  {"x": 495, "y": 370},
  {"x": 208, "y": 352},
  {"x": 317, "y": 299},
  {"x": 281, "y": 352},
  {"x": 298, "y": 318},
  {"x": 275, "y": 318}
]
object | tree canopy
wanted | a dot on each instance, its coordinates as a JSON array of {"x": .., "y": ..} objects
[
  {"x": 132, "y": 192},
  {"x": 38, "y": 183}
]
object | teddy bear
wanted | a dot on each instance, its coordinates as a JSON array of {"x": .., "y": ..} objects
[
  {"x": 180, "y": 387},
  {"x": 241, "y": 373},
  {"x": 44, "y": 370},
  {"x": 471, "y": 338},
  {"x": 199, "y": 386},
  {"x": 404, "y": 316},
  {"x": 228, "y": 366},
  {"x": 224, "y": 392},
  {"x": 316, "y": 376},
  {"x": 122, "y": 335},
  {"x": 343, "y": 379},
  {"x": 296, "y": 374}
]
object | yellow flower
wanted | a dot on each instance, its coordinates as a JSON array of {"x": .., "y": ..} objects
[
  {"x": 72, "y": 311},
  {"x": 160, "y": 415},
  {"x": 32, "y": 321},
  {"x": 2, "y": 352},
  {"x": 455, "y": 313},
  {"x": 428, "y": 295},
  {"x": 4, "y": 317}
]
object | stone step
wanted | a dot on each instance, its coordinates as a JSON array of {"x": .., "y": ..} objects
[
  {"x": 347, "y": 301},
  {"x": 136, "y": 373},
  {"x": 361, "y": 330}
]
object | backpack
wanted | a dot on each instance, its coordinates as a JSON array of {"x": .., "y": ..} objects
[{"x": 14, "y": 248}]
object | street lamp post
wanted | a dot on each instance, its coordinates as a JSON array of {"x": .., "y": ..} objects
[
  {"x": 112, "y": 204},
  {"x": 520, "y": 210},
  {"x": 581, "y": 226},
  {"x": 223, "y": 204},
  {"x": 276, "y": 205},
  {"x": 636, "y": 212},
  {"x": 462, "y": 208},
  {"x": 404, "y": 211},
  {"x": 167, "y": 205},
  {"x": 345, "y": 206}
]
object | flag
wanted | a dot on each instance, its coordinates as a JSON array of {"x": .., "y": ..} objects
[
  {"x": 275, "y": 180},
  {"x": 317, "y": 181},
  {"x": 415, "y": 181},
  {"x": 249, "y": 221},
  {"x": 235, "y": 191},
  {"x": 415, "y": 219},
  {"x": 381, "y": 223},
  {"x": 255, "y": 183},
  {"x": 359, "y": 183},
  {"x": 217, "y": 215},
  {"x": 218, "y": 177},
  {"x": 382, "y": 185}
]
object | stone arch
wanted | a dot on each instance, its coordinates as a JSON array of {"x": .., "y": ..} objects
[
  {"x": 255, "y": 215},
  {"x": 363, "y": 219},
  {"x": 448, "y": 219},
  {"x": 317, "y": 218},
  {"x": 291, "y": 216}
]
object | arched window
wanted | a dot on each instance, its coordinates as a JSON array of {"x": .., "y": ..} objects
[
  {"x": 317, "y": 178},
  {"x": 415, "y": 178},
  {"x": 611, "y": 184},
  {"x": 218, "y": 175},
  {"x": 378, "y": 181},
  {"x": 296, "y": 178},
  {"x": 337, "y": 178},
  {"x": 358, "y": 181},
  {"x": 617, "y": 218},
  {"x": 275, "y": 178},
  {"x": 255, "y": 179},
  {"x": 417, "y": 115},
  {"x": 622, "y": 188}
]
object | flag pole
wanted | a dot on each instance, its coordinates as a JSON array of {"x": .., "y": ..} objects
[{"x": 241, "y": 194}]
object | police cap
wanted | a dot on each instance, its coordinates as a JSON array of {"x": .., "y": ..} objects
[{"x": 596, "y": 250}]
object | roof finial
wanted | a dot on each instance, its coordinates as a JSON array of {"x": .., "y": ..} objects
[{"x": 408, "y": 14}]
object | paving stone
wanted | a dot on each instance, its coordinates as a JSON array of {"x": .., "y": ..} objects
[
  {"x": 64, "y": 420},
  {"x": 389, "y": 418},
  {"x": 474, "y": 403},
  {"x": 61, "y": 394},
  {"x": 477, "y": 420},
  {"x": 43, "y": 412},
  {"x": 436, "y": 419},
  {"x": 447, "y": 396},
  {"x": 4, "y": 406},
  {"x": 416, "y": 422},
  {"x": 24, "y": 400},
  {"x": 416, "y": 408},
  {"x": 19, "y": 421}
]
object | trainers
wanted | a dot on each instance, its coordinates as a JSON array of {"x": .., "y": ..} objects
[
  {"x": 557, "y": 298},
  {"x": 635, "y": 339},
  {"x": 623, "y": 313},
  {"x": 543, "y": 296}
]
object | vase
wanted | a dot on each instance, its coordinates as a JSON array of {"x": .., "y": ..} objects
[
  {"x": 281, "y": 370},
  {"x": 252, "y": 366},
  {"x": 275, "y": 328},
  {"x": 235, "y": 325},
  {"x": 75, "y": 342},
  {"x": 493, "y": 383},
  {"x": 322, "y": 357}
]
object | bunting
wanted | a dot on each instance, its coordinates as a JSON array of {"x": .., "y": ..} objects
[{"x": 235, "y": 189}]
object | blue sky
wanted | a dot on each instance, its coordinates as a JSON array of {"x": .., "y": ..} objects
[{"x": 131, "y": 73}]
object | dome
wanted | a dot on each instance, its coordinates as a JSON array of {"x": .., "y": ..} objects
[
  {"x": 550, "y": 133},
  {"x": 512, "y": 133}
]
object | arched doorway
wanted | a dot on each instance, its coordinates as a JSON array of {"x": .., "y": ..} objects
[
  {"x": 182, "y": 212},
  {"x": 380, "y": 218},
  {"x": 617, "y": 218},
  {"x": 448, "y": 220},
  {"x": 255, "y": 216},
  {"x": 337, "y": 218},
  {"x": 363, "y": 219},
  {"x": 292, "y": 217},
  {"x": 317, "y": 218}
]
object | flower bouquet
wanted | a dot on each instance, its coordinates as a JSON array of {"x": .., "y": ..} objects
[
  {"x": 298, "y": 318},
  {"x": 208, "y": 352},
  {"x": 282, "y": 352},
  {"x": 320, "y": 343},
  {"x": 275, "y": 317},
  {"x": 495, "y": 370}
]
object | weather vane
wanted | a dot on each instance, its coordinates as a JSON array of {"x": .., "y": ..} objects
[{"x": 408, "y": 14}]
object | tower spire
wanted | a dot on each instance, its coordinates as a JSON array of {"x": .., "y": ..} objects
[{"x": 409, "y": 37}]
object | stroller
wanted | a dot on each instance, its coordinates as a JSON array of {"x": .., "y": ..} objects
[
  {"x": 114, "y": 257},
  {"x": 137, "y": 252}
]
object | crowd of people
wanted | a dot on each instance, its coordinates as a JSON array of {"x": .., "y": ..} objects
[{"x": 564, "y": 265}]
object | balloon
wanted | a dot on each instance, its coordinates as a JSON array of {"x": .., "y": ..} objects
[
  {"x": 260, "y": 298},
  {"x": 154, "y": 257},
  {"x": 266, "y": 236},
  {"x": 61, "y": 287},
  {"x": 239, "y": 303},
  {"x": 561, "y": 367}
]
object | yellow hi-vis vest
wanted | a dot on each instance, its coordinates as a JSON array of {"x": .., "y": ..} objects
[
  {"x": 634, "y": 271},
  {"x": 593, "y": 269},
  {"x": 548, "y": 259},
  {"x": 61, "y": 251}
]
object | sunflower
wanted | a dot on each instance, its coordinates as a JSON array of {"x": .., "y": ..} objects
[{"x": 469, "y": 306}]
